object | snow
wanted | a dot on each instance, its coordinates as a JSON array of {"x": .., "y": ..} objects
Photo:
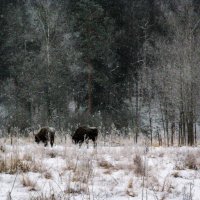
[{"x": 109, "y": 172}]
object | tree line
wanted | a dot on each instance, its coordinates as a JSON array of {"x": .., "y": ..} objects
[{"x": 128, "y": 64}]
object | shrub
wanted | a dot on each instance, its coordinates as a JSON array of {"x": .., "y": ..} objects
[
  {"x": 138, "y": 165},
  {"x": 191, "y": 161}
]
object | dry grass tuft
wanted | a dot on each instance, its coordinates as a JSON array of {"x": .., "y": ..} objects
[
  {"x": 130, "y": 183},
  {"x": 27, "y": 182},
  {"x": 105, "y": 164},
  {"x": 83, "y": 172},
  {"x": 71, "y": 164},
  {"x": 167, "y": 185},
  {"x": 129, "y": 190},
  {"x": 78, "y": 189},
  {"x": 131, "y": 193},
  {"x": 81, "y": 176},
  {"x": 2, "y": 166},
  {"x": 191, "y": 161},
  {"x": 153, "y": 183},
  {"x": 138, "y": 165},
  {"x": 27, "y": 157},
  {"x": 48, "y": 175},
  {"x": 42, "y": 196},
  {"x": 12, "y": 165},
  {"x": 2, "y": 148},
  {"x": 176, "y": 174},
  {"x": 52, "y": 154}
]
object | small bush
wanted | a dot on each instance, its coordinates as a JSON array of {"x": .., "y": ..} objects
[
  {"x": 77, "y": 190},
  {"x": 130, "y": 183},
  {"x": 83, "y": 172},
  {"x": 105, "y": 164},
  {"x": 2, "y": 166},
  {"x": 176, "y": 174},
  {"x": 27, "y": 157},
  {"x": 27, "y": 182},
  {"x": 129, "y": 190},
  {"x": 2, "y": 148},
  {"x": 47, "y": 175},
  {"x": 138, "y": 165},
  {"x": 153, "y": 183},
  {"x": 12, "y": 165},
  {"x": 52, "y": 154},
  {"x": 191, "y": 162}
]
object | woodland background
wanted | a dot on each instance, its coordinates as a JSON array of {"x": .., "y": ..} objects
[{"x": 126, "y": 65}]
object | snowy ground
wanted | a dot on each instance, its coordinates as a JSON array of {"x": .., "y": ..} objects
[{"x": 119, "y": 170}]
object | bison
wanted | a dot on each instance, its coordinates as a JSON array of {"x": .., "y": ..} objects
[
  {"x": 44, "y": 135},
  {"x": 85, "y": 134}
]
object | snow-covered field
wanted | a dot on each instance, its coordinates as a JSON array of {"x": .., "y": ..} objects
[{"x": 114, "y": 170}]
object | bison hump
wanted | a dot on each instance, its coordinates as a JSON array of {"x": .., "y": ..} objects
[{"x": 51, "y": 129}]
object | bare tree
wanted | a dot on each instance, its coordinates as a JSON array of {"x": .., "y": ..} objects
[{"x": 177, "y": 83}]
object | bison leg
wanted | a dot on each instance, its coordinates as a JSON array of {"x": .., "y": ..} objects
[
  {"x": 80, "y": 143},
  {"x": 87, "y": 143},
  {"x": 45, "y": 143},
  {"x": 52, "y": 141},
  {"x": 94, "y": 142}
]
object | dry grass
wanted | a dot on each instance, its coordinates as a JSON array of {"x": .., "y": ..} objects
[
  {"x": 130, "y": 183},
  {"x": 48, "y": 175},
  {"x": 52, "y": 154},
  {"x": 105, "y": 164},
  {"x": 167, "y": 185},
  {"x": 42, "y": 196},
  {"x": 77, "y": 189},
  {"x": 130, "y": 190},
  {"x": 153, "y": 183},
  {"x": 176, "y": 174},
  {"x": 27, "y": 157},
  {"x": 191, "y": 161},
  {"x": 16, "y": 161},
  {"x": 12, "y": 165},
  {"x": 138, "y": 165},
  {"x": 186, "y": 161},
  {"x": 71, "y": 164},
  {"x": 72, "y": 171},
  {"x": 27, "y": 182},
  {"x": 2, "y": 148},
  {"x": 77, "y": 183},
  {"x": 83, "y": 173}
]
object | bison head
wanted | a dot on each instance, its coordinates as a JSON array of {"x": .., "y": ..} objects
[{"x": 37, "y": 140}]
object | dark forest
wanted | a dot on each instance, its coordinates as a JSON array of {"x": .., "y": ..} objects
[{"x": 127, "y": 65}]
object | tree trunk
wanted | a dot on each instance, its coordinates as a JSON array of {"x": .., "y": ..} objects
[
  {"x": 167, "y": 131},
  {"x": 172, "y": 133},
  {"x": 137, "y": 109},
  {"x": 48, "y": 101},
  {"x": 163, "y": 123},
  {"x": 190, "y": 129},
  {"x": 179, "y": 132},
  {"x": 195, "y": 134},
  {"x": 150, "y": 123},
  {"x": 48, "y": 104},
  {"x": 166, "y": 122},
  {"x": 183, "y": 141},
  {"x": 151, "y": 131},
  {"x": 90, "y": 68}
]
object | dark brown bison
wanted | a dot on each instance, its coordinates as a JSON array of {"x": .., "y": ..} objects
[
  {"x": 44, "y": 135},
  {"x": 85, "y": 134}
]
